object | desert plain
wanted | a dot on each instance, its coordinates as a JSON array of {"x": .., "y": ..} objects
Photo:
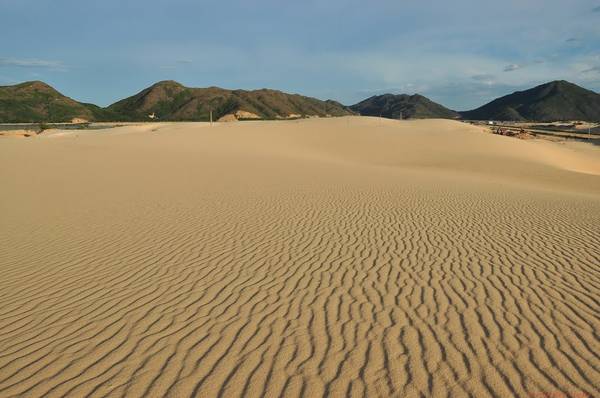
[{"x": 342, "y": 257}]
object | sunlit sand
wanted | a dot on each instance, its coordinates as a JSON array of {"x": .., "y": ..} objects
[{"x": 343, "y": 257}]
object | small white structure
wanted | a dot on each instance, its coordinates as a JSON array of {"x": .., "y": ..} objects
[{"x": 153, "y": 116}]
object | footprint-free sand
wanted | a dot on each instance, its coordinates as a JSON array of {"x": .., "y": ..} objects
[{"x": 323, "y": 257}]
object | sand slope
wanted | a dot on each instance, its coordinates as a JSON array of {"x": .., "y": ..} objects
[{"x": 338, "y": 257}]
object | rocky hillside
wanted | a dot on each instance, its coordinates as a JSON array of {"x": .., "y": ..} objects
[
  {"x": 403, "y": 107},
  {"x": 169, "y": 100},
  {"x": 38, "y": 102},
  {"x": 557, "y": 100}
]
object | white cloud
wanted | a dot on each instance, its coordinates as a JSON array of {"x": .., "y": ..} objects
[
  {"x": 512, "y": 67},
  {"x": 30, "y": 63}
]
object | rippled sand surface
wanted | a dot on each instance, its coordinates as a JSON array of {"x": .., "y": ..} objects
[{"x": 336, "y": 257}]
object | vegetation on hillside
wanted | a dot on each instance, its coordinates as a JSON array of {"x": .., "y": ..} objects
[
  {"x": 403, "y": 107},
  {"x": 554, "y": 101},
  {"x": 36, "y": 102},
  {"x": 170, "y": 100}
]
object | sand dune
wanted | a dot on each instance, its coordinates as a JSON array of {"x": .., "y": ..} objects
[{"x": 338, "y": 257}]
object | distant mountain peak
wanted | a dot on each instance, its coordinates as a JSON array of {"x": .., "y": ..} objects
[
  {"x": 555, "y": 100},
  {"x": 561, "y": 83},
  {"x": 36, "y": 85},
  {"x": 403, "y": 106},
  {"x": 169, "y": 83},
  {"x": 36, "y": 101}
]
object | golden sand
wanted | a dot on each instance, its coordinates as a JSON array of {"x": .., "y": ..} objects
[{"x": 338, "y": 257}]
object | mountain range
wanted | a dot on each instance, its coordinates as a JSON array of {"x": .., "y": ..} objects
[
  {"x": 167, "y": 100},
  {"x": 553, "y": 101},
  {"x": 170, "y": 100},
  {"x": 38, "y": 102}
]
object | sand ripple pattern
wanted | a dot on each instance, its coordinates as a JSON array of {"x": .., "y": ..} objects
[{"x": 371, "y": 283}]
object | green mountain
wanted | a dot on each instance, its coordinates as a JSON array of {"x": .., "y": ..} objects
[
  {"x": 557, "y": 100},
  {"x": 403, "y": 107},
  {"x": 169, "y": 100},
  {"x": 38, "y": 102}
]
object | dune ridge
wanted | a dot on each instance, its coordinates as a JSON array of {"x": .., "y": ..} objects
[{"x": 340, "y": 257}]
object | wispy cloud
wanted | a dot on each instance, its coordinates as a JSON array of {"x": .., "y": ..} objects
[
  {"x": 595, "y": 69},
  {"x": 31, "y": 63},
  {"x": 484, "y": 77},
  {"x": 176, "y": 64},
  {"x": 512, "y": 67},
  {"x": 596, "y": 9}
]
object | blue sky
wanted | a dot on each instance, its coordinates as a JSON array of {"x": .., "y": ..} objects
[{"x": 461, "y": 53}]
